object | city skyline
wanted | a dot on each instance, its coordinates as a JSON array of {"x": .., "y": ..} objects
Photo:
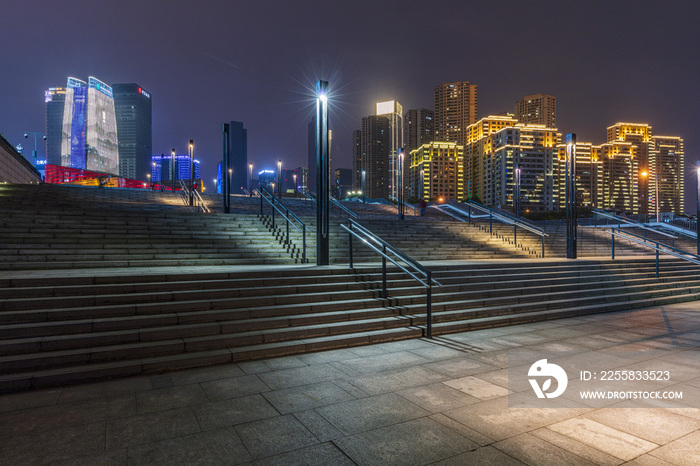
[{"x": 200, "y": 82}]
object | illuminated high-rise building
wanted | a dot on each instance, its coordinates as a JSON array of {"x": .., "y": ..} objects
[
  {"x": 419, "y": 128},
  {"x": 478, "y": 150},
  {"x": 55, "y": 99},
  {"x": 455, "y": 109},
  {"x": 539, "y": 109},
  {"x": 393, "y": 111},
  {"x": 436, "y": 171},
  {"x": 588, "y": 173},
  {"x": 376, "y": 147},
  {"x": 618, "y": 189},
  {"x": 89, "y": 136},
  {"x": 533, "y": 149},
  {"x": 639, "y": 135},
  {"x": 133, "y": 111},
  {"x": 162, "y": 168},
  {"x": 666, "y": 161},
  {"x": 357, "y": 159}
]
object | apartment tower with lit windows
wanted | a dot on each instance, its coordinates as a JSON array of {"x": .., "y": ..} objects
[
  {"x": 538, "y": 109},
  {"x": 455, "y": 109}
]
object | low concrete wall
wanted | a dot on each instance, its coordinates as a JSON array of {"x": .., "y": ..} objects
[{"x": 13, "y": 167}]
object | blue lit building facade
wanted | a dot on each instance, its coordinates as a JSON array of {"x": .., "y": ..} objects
[{"x": 161, "y": 168}]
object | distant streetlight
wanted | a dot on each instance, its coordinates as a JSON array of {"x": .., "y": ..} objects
[
  {"x": 172, "y": 170},
  {"x": 516, "y": 194},
  {"x": 364, "y": 188},
  {"x": 279, "y": 179},
  {"x": 26, "y": 135},
  {"x": 400, "y": 184},
  {"x": 191, "y": 156},
  {"x": 250, "y": 184},
  {"x": 697, "y": 208},
  {"x": 230, "y": 180},
  {"x": 295, "y": 184}
]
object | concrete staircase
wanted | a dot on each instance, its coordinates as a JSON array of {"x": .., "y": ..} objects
[{"x": 66, "y": 330}]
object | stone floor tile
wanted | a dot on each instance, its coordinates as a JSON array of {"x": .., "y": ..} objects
[
  {"x": 476, "y": 437},
  {"x": 611, "y": 441},
  {"x": 305, "y": 375},
  {"x": 460, "y": 366},
  {"x": 364, "y": 414},
  {"x": 438, "y": 352},
  {"x": 315, "y": 455},
  {"x": 655, "y": 425},
  {"x": 495, "y": 419},
  {"x": 233, "y": 411},
  {"x": 233, "y": 387},
  {"x": 419, "y": 441},
  {"x": 437, "y": 397},
  {"x": 268, "y": 437},
  {"x": 689, "y": 357},
  {"x": 323, "y": 357},
  {"x": 474, "y": 386},
  {"x": 484, "y": 456},
  {"x": 397, "y": 379},
  {"x": 149, "y": 427},
  {"x": 129, "y": 385},
  {"x": 53, "y": 445},
  {"x": 162, "y": 381},
  {"x": 371, "y": 350},
  {"x": 574, "y": 446},
  {"x": 33, "y": 399},
  {"x": 220, "y": 446},
  {"x": 384, "y": 362},
  {"x": 648, "y": 460},
  {"x": 253, "y": 367},
  {"x": 47, "y": 418},
  {"x": 682, "y": 451},
  {"x": 112, "y": 458},
  {"x": 294, "y": 399},
  {"x": 168, "y": 398},
  {"x": 206, "y": 374},
  {"x": 288, "y": 362},
  {"x": 524, "y": 339},
  {"x": 532, "y": 450},
  {"x": 90, "y": 391},
  {"x": 497, "y": 377},
  {"x": 318, "y": 425}
]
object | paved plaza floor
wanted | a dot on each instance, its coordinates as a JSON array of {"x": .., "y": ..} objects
[{"x": 441, "y": 401}]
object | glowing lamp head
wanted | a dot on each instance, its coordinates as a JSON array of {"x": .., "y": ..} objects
[
  {"x": 323, "y": 98},
  {"x": 645, "y": 174}
]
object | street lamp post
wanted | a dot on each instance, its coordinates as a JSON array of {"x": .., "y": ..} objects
[
  {"x": 295, "y": 184},
  {"x": 191, "y": 154},
  {"x": 225, "y": 162},
  {"x": 656, "y": 193},
  {"x": 172, "y": 170},
  {"x": 322, "y": 175},
  {"x": 26, "y": 135},
  {"x": 364, "y": 187},
  {"x": 279, "y": 179},
  {"x": 571, "y": 219},
  {"x": 516, "y": 194},
  {"x": 400, "y": 184},
  {"x": 250, "y": 183},
  {"x": 697, "y": 208},
  {"x": 230, "y": 181}
]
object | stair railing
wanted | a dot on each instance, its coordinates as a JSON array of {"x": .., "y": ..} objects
[
  {"x": 460, "y": 215},
  {"x": 422, "y": 274},
  {"x": 197, "y": 200},
  {"x": 333, "y": 202},
  {"x": 651, "y": 244},
  {"x": 620, "y": 220},
  {"x": 290, "y": 218}
]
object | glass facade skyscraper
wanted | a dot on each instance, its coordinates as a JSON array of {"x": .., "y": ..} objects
[
  {"x": 55, "y": 99},
  {"x": 133, "y": 110},
  {"x": 89, "y": 136}
]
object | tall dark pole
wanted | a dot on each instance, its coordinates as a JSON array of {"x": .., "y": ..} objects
[
  {"x": 516, "y": 192},
  {"x": 400, "y": 184},
  {"x": 322, "y": 174},
  {"x": 225, "y": 188},
  {"x": 250, "y": 185},
  {"x": 172, "y": 170},
  {"x": 697, "y": 208},
  {"x": 191, "y": 150},
  {"x": 279, "y": 179},
  {"x": 571, "y": 219},
  {"x": 364, "y": 187}
]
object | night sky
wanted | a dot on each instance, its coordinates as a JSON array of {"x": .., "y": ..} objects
[{"x": 207, "y": 62}]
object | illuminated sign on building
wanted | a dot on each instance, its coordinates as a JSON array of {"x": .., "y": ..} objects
[
  {"x": 144, "y": 93},
  {"x": 385, "y": 107}
]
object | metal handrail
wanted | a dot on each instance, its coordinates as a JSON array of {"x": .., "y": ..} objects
[
  {"x": 493, "y": 214},
  {"x": 382, "y": 247},
  {"x": 286, "y": 215},
  {"x": 333, "y": 201},
  {"x": 620, "y": 220},
  {"x": 199, "y": 202},
  {"x": 658, "y": 247},
  {"x": 184, "y": 193}
]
